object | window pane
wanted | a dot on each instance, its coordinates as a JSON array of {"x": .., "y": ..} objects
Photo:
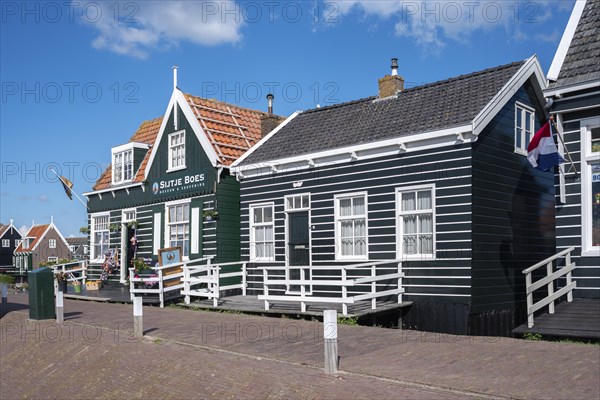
[
  {"x": 519, "y": 117},
  {"x": 410, "y": 224},
  {"x": 257, "y": 215},
  {"x": 409, "y": 245},
  {"x": 346, "y": 247},
  {"x": 358, "y": 206},
  {"x": 596, "y": 140},
  {"x": 345, "y": 207},
  {"x": 259, "y": 234},
  {"x": 425, "y": 224},
  {"x": 426, "y": 244},
  {"x": 304, "y": 201},
  {"x": 518, "y": 138},
  {"x": 360, "y": 227},
  {"x": 346, "y": 229},
  {"x": 268, "y": 214},
  {"x": 408, "y": 201},
  {"x": 360, "y": 247},
  {"x": 528, "y": 121},
  {"x": 424, "y": 200}
]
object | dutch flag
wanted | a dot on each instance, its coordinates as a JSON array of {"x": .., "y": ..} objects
[{"x": 542, "y": 152}]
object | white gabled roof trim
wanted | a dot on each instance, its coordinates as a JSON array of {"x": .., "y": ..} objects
[
  {"x": 129, "y": 146},
  {"x": 112, "y": 189},
  {"x": 573, "y": 87},
  {"x": 394, "y": 146},
  {"x": 8, "y": 228},
  {"x": 565, "y": 42},
  {"x": 530, "y": 67},
  {"x": 261, "y": 141},
  {"x": 178, "y": 98}
]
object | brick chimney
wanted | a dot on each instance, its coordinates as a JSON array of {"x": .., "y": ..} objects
[
  {"x": 269, "y": 121},
  {"x": 390, "y": 85}
]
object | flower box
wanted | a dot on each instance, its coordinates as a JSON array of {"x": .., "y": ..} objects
[{"x": 93, "y": 285}]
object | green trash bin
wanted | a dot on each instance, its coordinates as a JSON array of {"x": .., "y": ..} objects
[{"x": 41, "y": 293}]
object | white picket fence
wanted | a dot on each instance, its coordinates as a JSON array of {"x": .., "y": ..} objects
[
  {"x": 549, "y": 281},
  {"x": 202, "y": 278},
  {"x": 339, "y": 284},
  {"x": 165, "y": 279},
  {"x": 70, "y": 269}
]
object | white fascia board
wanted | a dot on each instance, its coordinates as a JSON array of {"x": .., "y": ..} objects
[
  {"x": 388, "y": 147},
  {"x": 8, "y": 229},
  {"x": 178, "y": 98},
  {"x": 565, "y": 42},
  {"x": 530, "y": 67},
  {"x": 574, "y": 87},
  {"x": 234, "y": 166},
  {"x": 60, "y": 234},
  {"x": 129, "y": 146},
  {"x": 113, "y": 189}
]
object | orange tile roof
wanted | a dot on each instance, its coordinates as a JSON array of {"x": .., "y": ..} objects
[
  {"x": 36, "y": 232},
  {"x": 230, "y": 129}
]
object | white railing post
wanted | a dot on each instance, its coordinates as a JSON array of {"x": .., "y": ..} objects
[
  {"x": 529, "y": 300},
  {"x": 161, "y": 292},
  {"x": 84, "y": 272},
  {"x": 400, "y": 283},
  {"x": 216, "y": 287},
  {"x": 138, "y": 313},
  {"x": 186, "y": 283},
  {"x": 244, "y": 282},
  {"x": 569, "y": 276},
  {"x": 60, "y": 316},
  {"x": 266, "y": 288},
  {"x": 302, "y": 289},
  {"x": 373, "y": 287},
  {"x": 344, "y": 291},
  {"x": 550, "y": 287}
]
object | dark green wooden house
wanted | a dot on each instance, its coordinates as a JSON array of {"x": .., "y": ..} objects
[{"x": 170, "y": 185}]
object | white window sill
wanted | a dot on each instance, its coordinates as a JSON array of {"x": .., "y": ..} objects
[
  {"x": 521, "y": 152},
  {"x": 591, "y": 253},
  {"x": 123, "y": 182},
  {"x": 262, "y": 260},
  {"x": 176, "y": 169},
  {"x": 419, "y": 257},
  {"x": 345, "y": 259}
]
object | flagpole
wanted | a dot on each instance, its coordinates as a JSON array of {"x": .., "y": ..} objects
[
  {"x": 72, "y": 191},
  {"x": 558, "y": 133}
]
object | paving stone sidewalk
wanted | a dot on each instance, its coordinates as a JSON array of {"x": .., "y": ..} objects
[{"x": 482, "y": 366}]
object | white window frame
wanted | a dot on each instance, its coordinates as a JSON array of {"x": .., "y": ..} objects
[
  {"x": 171, "y": 165},
  {"x": 523, "y": 109},
  {"x": 298, "y": 206},
  {"x": 52, "y": 243},
  {"x": 5, "y": 242},
  {"x": 338, "y": 229},
  {"x": 86, "y": 249},
  {"x": 52, "y": 259},
  {"x": 125, "y": 165},
  {"x": 588, "y": 158},
  {"x": 72, "y": 248},
  {"x": 168, "y": 224},
  {"x": 93, "y": 255},
  {"x": 18, "y": 262},
  {"x": 26, "y": 262},
  {"x": 400, "y": 227},
  {"x": 253, "y": 225},
  {"x": 128, "y": 215},
  {"x": 18, "y": 242}
]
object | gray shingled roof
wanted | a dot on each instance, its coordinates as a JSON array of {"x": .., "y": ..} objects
[
  {"x": 440, "y": 105},
  {"x": 582, "y": 62}
]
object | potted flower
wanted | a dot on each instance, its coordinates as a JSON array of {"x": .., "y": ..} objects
[
  {"x": 210, "y": 215},
  {"x": 77, "y": 286},
  {"x": 140, "y": 266},
  {"x": 61, "y": 280},
  {"x": 133, "y": 224},
  {"x": 114, "y": 227}
]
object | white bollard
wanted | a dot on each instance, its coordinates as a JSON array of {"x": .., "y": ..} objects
[
  {"x": 138, "y": 324},
  {"x": 4, "y": 309},
  {"x": 60, "y": 316},
  {"x": 331, "y": 343}
]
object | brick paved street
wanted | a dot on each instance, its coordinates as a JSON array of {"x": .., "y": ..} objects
[{"x": 203, "y": 354}]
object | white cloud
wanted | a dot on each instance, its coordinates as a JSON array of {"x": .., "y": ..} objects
[
  {"x": 43, "y": 198},
  {"x": 432, "y": 23},
  {"x": 137, "y": 28}
]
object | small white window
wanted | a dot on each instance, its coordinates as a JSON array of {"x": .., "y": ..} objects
[
  {"x": 52, "y": 259},
  {"x": 18, "y": 242},
  {"x": 178, "y": 226},
  {"x": 176, "y": 151},
  {"x": 52, "y": 243},
  {"x": 262, "y": 237},
  {"x": 86, "y": 249},
  {"x": 100, "y": 236},
  {"x": 351, "y": 226},
  {"x": 26, "y": 262},
  {"x": 297, "y": 202},
  {"x": 128, "y": 215},
  {"x": 18, "y": 263},
  {"x": 123, "y": 166},
  {"x": 416, "y": 222},
  {"x": 5, "y": 242},
  {"x": 72, "y": 248},
  {"x": 524, "y": 125}
]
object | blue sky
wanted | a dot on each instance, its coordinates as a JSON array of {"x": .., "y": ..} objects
[{"x": 79, "y": 78}]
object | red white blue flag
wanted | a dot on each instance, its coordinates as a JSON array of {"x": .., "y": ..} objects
[{"x": 542, "y": 152}]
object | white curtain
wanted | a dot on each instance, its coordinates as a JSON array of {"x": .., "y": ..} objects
[{"x": 408, "y": 201}]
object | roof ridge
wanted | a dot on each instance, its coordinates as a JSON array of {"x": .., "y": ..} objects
[{"x": 421, "y": 87}]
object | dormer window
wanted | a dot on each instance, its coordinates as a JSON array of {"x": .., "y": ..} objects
[
  {"x": 176, "y": 151},
  {"x": 123, "y": 166},
  {"x": 123, "y": 161}
]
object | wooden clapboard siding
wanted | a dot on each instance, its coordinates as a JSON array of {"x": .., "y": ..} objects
[
  {"x": 448, "y": 168},
  {"x": 513, "y": 212}
]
